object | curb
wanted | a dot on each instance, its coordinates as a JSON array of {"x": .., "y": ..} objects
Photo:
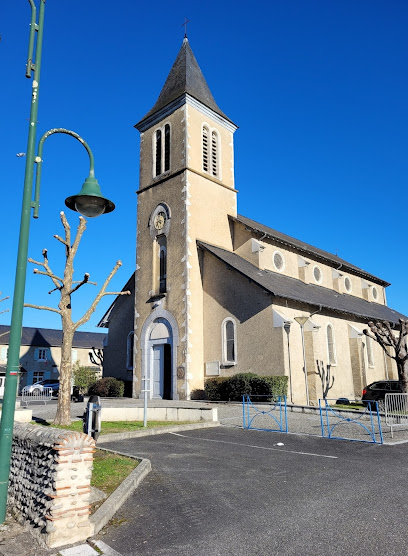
[
  {"x": 150, "y": 432},
  {"x": 119, "y": 496}
]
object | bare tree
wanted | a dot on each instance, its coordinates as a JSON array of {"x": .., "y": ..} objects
[
  {"x": 5, "y": 311},
  {"x": 66, "y": 287},
  {"x": 96, "y": 356},
  {"x": 382, "y": 333},
  {"x": 325, "y": 377}
]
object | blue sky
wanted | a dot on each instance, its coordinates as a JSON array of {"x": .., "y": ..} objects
[{"x": 318, "y": 89}]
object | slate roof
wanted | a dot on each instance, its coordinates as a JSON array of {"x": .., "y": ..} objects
[
  {"x": 185, "y": 77},
  {"x": 308, "y": 250},
  {"x": 48, "y": 337},
  {"x": 286, "y": 287}
]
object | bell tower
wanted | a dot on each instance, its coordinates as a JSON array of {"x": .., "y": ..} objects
[{"x": 186, "y": 193}]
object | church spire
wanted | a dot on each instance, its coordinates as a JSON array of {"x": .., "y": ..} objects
[{"x": 185, "y": 77}]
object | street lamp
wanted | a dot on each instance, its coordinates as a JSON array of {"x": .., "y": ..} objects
[
  {"x": 301, "y": 321},
  {"x": 89, "y": 201}
]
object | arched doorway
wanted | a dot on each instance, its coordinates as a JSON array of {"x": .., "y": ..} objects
[
  {"x": 160, "y": 347},
  {"x": 159, "y": 341}
]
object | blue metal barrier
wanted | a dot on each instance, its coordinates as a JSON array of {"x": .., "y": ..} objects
[
  {"x": 263, "y": 413},
  {"x": 364, "y": 427}
]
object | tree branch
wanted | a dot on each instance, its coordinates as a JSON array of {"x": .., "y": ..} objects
[
  {"x": 42, "y": 307},
  {"x": 80, "y": 230},
  {"x": 52, "y": 276},
  {"x": 84, "y": 281},
  {"x": 61, "y": 240},
  {"x": 101, "y": 294}
]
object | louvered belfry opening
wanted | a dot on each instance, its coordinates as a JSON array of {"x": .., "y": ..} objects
[{"x": 205, "y": 150}]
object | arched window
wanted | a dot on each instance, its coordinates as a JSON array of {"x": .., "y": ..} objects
[
  {"x": 163, "y": 268},
  {"x": 229, "y": 342},
  {"x": 158, "y": 152},
  {"x": 214, "y": 153},
  {"x": 166, "y": 148},
  {"x": 331, "y": 348},
  {"x": 129, "y": 351},
  {"x": 205, "y": 149},
  {"x": 161, "y": 149}
]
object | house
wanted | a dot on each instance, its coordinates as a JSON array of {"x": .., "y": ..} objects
[
  {"x": 216, "y": 293},
  {"x": 40, "y": 352}
]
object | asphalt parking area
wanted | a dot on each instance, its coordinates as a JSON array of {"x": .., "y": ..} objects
[{"x": 231, "y": 491}]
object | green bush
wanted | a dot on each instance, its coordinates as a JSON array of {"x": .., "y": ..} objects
[
  {"x": 198, "y": 394},
  {"x": 84, "y": 377},
  {"x": 234, "y": 387},
  {"x": 214, "y": 389},
  {"x": 108, "y": 387}
]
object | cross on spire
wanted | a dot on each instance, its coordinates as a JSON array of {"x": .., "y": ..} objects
[{"x": 185, "y": 26}]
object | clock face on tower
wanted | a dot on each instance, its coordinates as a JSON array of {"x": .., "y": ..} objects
[{"x": 159, "y": 220}]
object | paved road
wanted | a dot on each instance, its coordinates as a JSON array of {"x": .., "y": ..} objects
[{"x": 234, "y": 492}]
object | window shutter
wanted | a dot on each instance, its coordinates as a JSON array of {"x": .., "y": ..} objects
[
  {"x": 36, "y": 354},
  {"x": 74, "y": 355},
  {"x": 3, "y": 353}
]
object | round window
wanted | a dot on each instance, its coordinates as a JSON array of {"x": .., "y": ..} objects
[
  {"x": 317, "y": 273},
  {"x": 375, "y": 292},
  {"x": 347, "y": 284},
  {"x": 278, "y": 260}
]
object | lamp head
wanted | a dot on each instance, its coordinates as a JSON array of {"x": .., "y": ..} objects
[{"x": 89, "y": 201}]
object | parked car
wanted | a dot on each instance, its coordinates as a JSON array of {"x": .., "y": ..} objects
[
  {"x": 38, "y": 387},
  {"x": 377, "y": 390}
]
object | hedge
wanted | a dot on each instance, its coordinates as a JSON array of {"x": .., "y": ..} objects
[
  {"x": 108, "y": 387},
  {"x": 234, "y": 387}
]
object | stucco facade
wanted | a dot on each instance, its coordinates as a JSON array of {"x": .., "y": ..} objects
[{"x": 217, "y": 293}]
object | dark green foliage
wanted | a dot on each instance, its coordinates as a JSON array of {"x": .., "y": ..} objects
[
  {"x": 198, "y": 394},
  {"x": 108, "y": 387},
  {"x": 234, "y": 387}
]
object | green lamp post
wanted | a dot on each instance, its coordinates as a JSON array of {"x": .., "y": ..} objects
[{"x": 89, "y": 202}]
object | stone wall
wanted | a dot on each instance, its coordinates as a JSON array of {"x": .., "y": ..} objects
[{"x": 50, "y": 479}]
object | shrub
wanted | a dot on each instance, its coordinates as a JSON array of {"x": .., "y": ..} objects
[
  {"x": 198, "y": 394},
  {"x": 84, "y": 377},
  {"x": 108, "y": 387},
  {"x": 214, "y": 389},
  {"x": 234, "y": 387}
]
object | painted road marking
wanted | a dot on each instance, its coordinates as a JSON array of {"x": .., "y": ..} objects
[{"x": 256, "y": 447}]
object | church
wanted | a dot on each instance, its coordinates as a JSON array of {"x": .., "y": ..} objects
[{"x": 215, "y": 293}]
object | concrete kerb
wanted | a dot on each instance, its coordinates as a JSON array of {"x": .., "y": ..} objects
[{"x": 112, "y": 504}]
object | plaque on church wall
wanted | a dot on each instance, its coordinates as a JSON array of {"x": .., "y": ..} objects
[
  {"x": 212, "y": 368},
  {"x": 180, "y": 372}
]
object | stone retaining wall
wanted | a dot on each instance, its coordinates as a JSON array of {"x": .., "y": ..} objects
[
  {"x": 50, "y": 480},
  {"x": 159, "y": 414}
]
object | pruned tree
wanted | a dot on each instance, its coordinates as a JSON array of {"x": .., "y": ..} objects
[
  {"x": 4, "y": 311},
  {"x": 382, "y": 333},
  {"x": 96, "y": 356},
  {"x": 325, "y": 377},
  {"x": 66, "y": 286}
]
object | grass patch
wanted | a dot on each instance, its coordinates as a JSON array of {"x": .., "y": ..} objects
[
  {"x": 113, "y": 426},
  {"x": 109, "y": 470},
  {"x": 353, "y": 406}
]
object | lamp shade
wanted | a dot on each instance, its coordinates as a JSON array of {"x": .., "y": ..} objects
[{"x": 89, "y": 201}]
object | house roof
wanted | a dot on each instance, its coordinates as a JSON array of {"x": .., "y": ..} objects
[
  {"x": 49, "y": 337},
  {"x": 286, "y": 287},
  {"x": 185, "y": 77},
  {"x": 308, "y": 250}
]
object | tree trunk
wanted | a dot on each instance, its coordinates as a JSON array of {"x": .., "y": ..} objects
[
  {"x": 63, "y": 415},
  {"x": 402, "y": 367}
]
